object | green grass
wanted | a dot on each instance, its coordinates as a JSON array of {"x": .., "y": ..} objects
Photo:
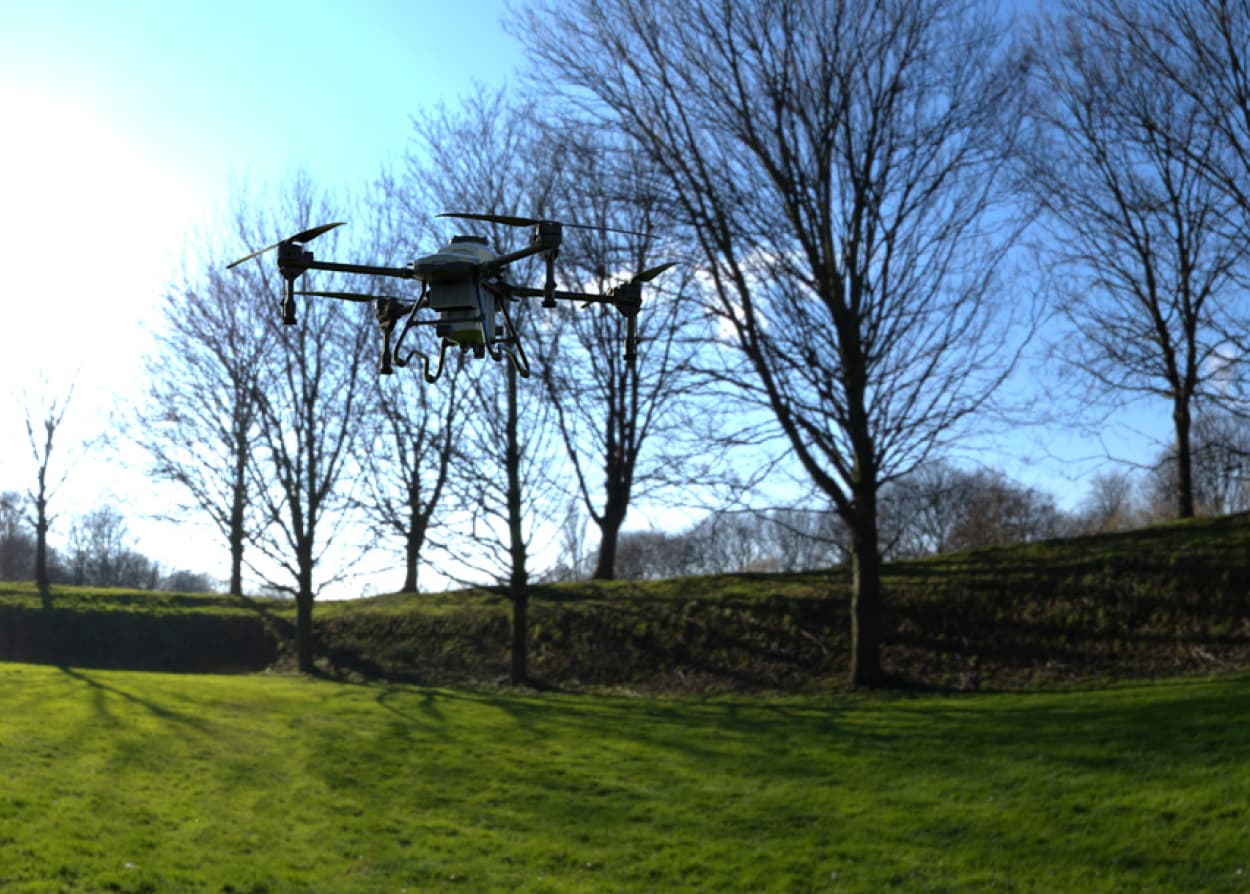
[
  {"x": 24, "y": 594},
  {"x": 130, "y": 782}
]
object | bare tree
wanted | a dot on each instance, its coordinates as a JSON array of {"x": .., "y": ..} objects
[
  {"x": 481, "y": 154},
  {"x": 411, "y": 446},
  {"x": 1110, "y": 505},
  {"x": 410, "y": 459},
  {"x": 102, "y": 555},
  {"x": 1118, "y": 162},
  {"x": 309, "y": 401},
  {"x": 921, "y": 510},
  {"x": 623, "y": 420},
  {"x": 44, "y": 416},
  {"x": 940, "y": 508},
  {"x": 200, "y": 417},
  {"x": 836, "y": 164},
  {"x": 1220, "y": 456},
  {"x": 17, "y": 547},
  {"x": 1000, "y": 512}
]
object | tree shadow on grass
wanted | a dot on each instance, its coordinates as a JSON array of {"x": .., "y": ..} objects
[{"x": 102, "y": 690}]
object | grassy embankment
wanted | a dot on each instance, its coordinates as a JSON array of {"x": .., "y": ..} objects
[
  {"x": 1161, "y": 601},
  {"x": 137, "y": 782}
]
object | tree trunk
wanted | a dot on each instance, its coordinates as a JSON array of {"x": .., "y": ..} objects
[
  {"x": 866, "y": 599},
  {"x": 609, "y": 537},
  {"x": 237, "y": 509},
  {"x": 865, "y": 608},
  {"x": 518, "y": 581},
  {"x": 1184, "y": 460},
  {"x": 42, "y": 581},
  {"x": 412, "y": 554},
  {"x": 519, "y": 674},
  {"x": 303, "y": 615}
]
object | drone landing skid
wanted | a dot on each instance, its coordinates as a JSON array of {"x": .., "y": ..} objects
[{"x": 430, "y": 377}]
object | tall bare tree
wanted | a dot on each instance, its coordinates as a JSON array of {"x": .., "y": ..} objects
[
  {"x": 479, "y": 156},
  {"x": 411, "y": 449},
  {"x": 1119, "y": 161},
  {"x": 836, "y": 162},
  {"x": 45, "y": 413},
  {"x": 625, "y": 421},
  {"x": 200, "y": 416},
  {"x": 310, "y": 394}
]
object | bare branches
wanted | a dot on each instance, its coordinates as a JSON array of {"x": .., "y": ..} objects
[
  {"x": 838, "y": 166},
  {"x": 199, "y": 421},
  {"x": 619, "y": 418},
  {"x": 44, "y": 414},
  {"x": 1121, "y": 162}
]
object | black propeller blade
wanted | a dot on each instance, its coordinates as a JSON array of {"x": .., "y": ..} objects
[
  {"x": 511, "y": 221},
  {"x": 645, "y": 276},
  {"x": 652, "y": 272},
  {"x": 306, "y": 236}
]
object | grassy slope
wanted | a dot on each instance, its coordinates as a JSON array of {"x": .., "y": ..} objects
[
  {"x": 139, "y": 628},
  {"x": 130, "y": 782},
  {"x": 1161, "y": 601}
]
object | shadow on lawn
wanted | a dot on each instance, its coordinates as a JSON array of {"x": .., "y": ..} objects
[{"x": 102, "y": 691}]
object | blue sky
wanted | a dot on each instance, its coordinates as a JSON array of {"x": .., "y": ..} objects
[{"x": 125, "y": 126}]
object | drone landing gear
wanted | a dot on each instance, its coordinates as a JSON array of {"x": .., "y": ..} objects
[
  {"x": 391, "y": 355},
  {"x": 510, "y": 341}
]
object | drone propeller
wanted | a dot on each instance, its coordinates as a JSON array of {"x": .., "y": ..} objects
[
  {"x": 652, "y": 272},
  {"x": 512, "y": 221},
  {"x": 306, "y": 236},
  {"x": 645, "y": 276}
]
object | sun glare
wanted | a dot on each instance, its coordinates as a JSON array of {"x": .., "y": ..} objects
[{"x": 89, "y": 229}]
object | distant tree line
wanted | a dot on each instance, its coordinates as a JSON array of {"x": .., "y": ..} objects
[
  {"x": 941, "y": 508},
  {"x": 98, "y": 554}
]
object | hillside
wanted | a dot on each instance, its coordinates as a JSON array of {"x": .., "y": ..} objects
[{"x": 1163, "y": 600}]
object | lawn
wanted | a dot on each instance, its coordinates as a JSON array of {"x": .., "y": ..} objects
[{"x": 129, "y": 782}]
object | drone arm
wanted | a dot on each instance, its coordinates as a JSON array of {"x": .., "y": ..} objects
[
  {"x": 528, "y": 292},
  {"x": 627, "y": 299},
  {"x": 366, "y": 269}
]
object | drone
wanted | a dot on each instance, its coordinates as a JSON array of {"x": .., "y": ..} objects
[{"x": 464, "y": 285}]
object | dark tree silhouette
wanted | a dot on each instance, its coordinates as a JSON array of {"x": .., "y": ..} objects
[
  {"x": 837, "y": 166},
  {"x": 310, "y": 397},
  {"x": 626, "y": 423},
  {"x": 479, "y": 157},
  {"x": 200, "y": 417},
  {"x": 411, "y": 449},
  {"x": 44, "y": 415},
  {"x": 1119, "y": 161}
]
